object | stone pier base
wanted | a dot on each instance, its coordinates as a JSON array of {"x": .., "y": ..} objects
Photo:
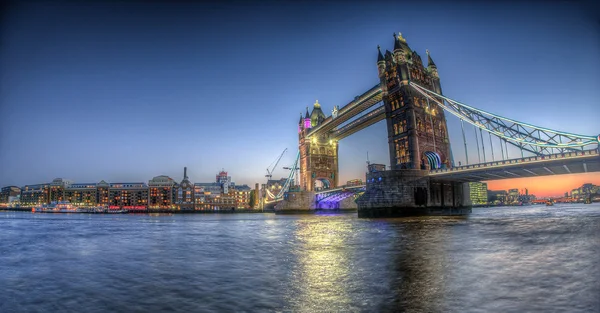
[
  {"x": 301, "y": 202},
  {"x": 409, "y": 211},
  {"x": 412, "y": 193}
]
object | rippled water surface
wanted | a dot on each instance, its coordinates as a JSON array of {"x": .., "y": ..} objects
[{"x": 523, "y": 259}]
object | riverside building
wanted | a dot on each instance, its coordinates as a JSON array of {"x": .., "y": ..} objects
[
  {"x": 9, "y": 194},
  {"x": 57, "y": 189},
  {"x": 103, "y": 193},
  {"x": 128, "y": 195},
  {"x": 211, "y": 197},
  {"x": 35, "y": 194},
  {"x": 82, "y": 195},
  {"x": 161, "y": 192},
  {"x": 242, "y": 196},
  {"x": 184, "y": 198},
  {"x": 513, "y": 195}
]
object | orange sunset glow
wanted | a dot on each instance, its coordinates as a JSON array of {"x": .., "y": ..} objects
[{"x": 546, "y": 186}]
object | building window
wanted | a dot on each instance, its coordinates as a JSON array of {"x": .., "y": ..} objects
[
  {"x": 419, "y": 124},
  {"x": 417, "y": 101},
  {"x": 400, "y": 127},
  {"x": 442, "y": 130},
  {"x": 402, "y": 152}
]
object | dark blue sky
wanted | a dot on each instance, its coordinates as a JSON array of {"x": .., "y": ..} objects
[{"x": 125, "y": 92}]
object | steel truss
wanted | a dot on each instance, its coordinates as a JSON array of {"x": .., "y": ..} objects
[{"x": 527, "y": 137}]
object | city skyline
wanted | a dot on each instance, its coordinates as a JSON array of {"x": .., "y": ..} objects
[{"x": 134, "y": 99}]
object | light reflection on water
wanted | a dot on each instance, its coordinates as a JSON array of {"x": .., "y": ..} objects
[{"x": 525, "y": 259}]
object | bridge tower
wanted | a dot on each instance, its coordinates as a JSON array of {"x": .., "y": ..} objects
[
  {"x": 418, "y": 142},
  {"x": 417, "y": 131},
  {"x": 318, "y": 153}
]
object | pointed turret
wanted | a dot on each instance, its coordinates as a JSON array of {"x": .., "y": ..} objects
[
  {"x": 401, "y": 49},
  {"x": 317, "y": 115},
  {"x": 430, "y": 63},
  {"x": 396, "y": 43},
  {"x": 307, "y": 119},
  {"x": 379, "y": 56},
  {"x": 400, "y": 43},
  {"x": 380, "y": 62},
  {"x": 432, "y": 68}
]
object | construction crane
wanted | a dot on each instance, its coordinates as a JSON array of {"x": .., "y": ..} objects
[{"x": 270, "y": 172}]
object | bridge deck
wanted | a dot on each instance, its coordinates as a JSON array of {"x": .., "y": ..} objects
[{"x": 555, "y": 164}]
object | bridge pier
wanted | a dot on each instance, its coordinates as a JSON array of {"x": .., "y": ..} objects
[
  {"x": 305, "y": 202},
  {"x": 397, "y": 193},
  {"x": 298, "y": 202}
]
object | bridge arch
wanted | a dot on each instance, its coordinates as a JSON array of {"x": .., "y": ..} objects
[
  {"x": 433, "y": 159},
  {"x": 321, "y": 183}
]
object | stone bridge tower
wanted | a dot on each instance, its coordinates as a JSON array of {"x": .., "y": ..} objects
[
  {"x": 417, "y": 130},
  {"x": 318, "y": 154}
]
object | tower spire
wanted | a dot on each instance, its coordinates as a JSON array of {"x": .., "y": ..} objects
[
  {"x": 379, "y": 56},
  {"x": 397, "y": 45},
  {"x": 400, "y": 38},
  {"x": 430, "y": 60}
]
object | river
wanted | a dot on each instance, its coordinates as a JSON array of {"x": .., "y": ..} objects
[{"x": 517, "y": 259}]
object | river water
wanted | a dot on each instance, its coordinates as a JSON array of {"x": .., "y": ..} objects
[{"x": 519, "y": 259}]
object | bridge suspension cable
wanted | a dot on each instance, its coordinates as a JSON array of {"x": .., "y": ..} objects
[{"x": 534, "y": 139}]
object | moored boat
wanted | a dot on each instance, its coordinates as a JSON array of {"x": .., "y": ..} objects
[{"x": 56, "y": 207}]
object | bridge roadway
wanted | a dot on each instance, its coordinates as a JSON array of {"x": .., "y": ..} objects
[{"x": 554, "y": 164}]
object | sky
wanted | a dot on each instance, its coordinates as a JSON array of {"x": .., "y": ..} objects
[{"x": 125, "y": 91}]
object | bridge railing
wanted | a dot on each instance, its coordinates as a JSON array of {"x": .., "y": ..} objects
[{"x": 566, "y": 155}]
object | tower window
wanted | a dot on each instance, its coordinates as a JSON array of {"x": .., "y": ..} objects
[
  {"x": 402, "y": 152},
  {"x": 400, "y": 127}
]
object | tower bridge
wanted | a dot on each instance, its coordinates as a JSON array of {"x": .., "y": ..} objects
[{"x": 423, "y": 177}]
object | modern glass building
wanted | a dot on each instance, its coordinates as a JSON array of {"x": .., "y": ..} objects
[{"x": 479, "y": 195}]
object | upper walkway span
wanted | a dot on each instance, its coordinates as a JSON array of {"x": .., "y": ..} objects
[{"x": 350, "y": 110}]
